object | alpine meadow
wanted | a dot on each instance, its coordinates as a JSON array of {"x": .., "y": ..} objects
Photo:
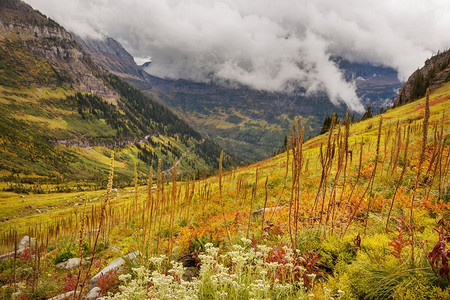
[{"x": 224, "y": 150}]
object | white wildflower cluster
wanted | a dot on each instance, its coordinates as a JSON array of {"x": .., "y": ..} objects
[
  {"x": 242, "y": 273},
  {"x": 156, "y": 285}
]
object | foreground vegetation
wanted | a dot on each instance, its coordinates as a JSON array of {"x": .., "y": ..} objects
[{"x": 360, "y": 212}]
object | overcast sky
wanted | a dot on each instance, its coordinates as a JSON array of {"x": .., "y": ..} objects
[{"x": 266, "y": 44}]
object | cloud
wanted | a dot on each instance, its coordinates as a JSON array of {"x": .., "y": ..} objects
[{"x": 270, "y": 45}]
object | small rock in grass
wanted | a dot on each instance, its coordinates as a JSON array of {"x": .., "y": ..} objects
[
  {"x": 71, "y": 263},
  {"x": 66, "y": 296},
  {"x": 94, "y": 293},
  {"x": 26, "y": 242},
  {"x": 189, "y": 273}
]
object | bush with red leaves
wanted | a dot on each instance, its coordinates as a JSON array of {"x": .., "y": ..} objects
[
  {"x": 108, "y": 281},
  {"x": 26, "y": 255},
  {"x": 440, "y": 255},
  {"x": 24, "y": 296},
  {"x": 400, "y": 242},
  {"x": 69, "y": 283},
  {"x": 303, "y": 265}
]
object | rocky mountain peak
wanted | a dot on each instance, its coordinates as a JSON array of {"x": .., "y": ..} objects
[
  {"x": 27, "y": 30},
  {"x": 432, "y": 75}
]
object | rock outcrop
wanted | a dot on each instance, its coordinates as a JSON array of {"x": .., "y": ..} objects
[
  {"x": 115, "y": 265},
  {"x": 432, "y": 75},
  {"x": 70, "y": 264},
  {"x": 21, "y": 26},
  {"x": 94, "y": 293},
  {"x": 25, "y": 242}
]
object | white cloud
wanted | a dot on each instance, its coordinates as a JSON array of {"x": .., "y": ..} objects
[{"x": 262, "y": 43}]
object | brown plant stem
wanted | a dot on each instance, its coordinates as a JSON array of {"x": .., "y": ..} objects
[
  {"x": 101, "y": 221},
  {"x": 405, "y": 153}
]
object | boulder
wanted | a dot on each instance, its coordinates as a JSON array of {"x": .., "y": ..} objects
[
  {"x": 6, "y": 255},
  {"x": 65, "y": 296},
  {"x": 26, "y": 242},
  {"x": 94, "y": 293},
  {"x": 70, "y": 264},
  {"x": 116, "y": 264}
]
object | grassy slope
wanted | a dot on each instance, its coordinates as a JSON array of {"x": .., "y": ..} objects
[
  {"x": 206, "y": 221},
  {"x": 274, "y": 168},
  {"x": 31, "y": 117},
  {"x": 41, "y": 110}
]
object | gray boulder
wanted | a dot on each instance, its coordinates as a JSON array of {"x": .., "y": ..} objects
[
  {"x": 94, "y": 293},
  {"x": 70, "y": 264},
  {"x": 114, "y": 248},
  {"x": 116, "y": 264},
  {"x": 66, "y": 296},
  {"x": 26, "y": 242}
]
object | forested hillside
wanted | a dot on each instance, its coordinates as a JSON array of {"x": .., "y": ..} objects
[{"x": 62, "y": 115}]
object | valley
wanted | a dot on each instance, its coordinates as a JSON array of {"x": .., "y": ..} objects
[
  {"x": 200, "y": 218},
  {"x": 238, "y": 118},
  {"x": 117, "y": 184}
]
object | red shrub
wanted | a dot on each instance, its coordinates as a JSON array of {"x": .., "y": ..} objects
[
  {"x": 26, "y": 255},
  {"x": 308, "y": 261},
  {"x": 439, "y": 256},
  {"x": 107, "y": 282},
  {"x": 69, "y": 283},
  {"x": 24, "y": 296},
  {"x": 399, "y": 242}
]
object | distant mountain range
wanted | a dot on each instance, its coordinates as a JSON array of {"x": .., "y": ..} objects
[
  {"x": 62, "y": 114},
  {"x": 248, "y": 122}
]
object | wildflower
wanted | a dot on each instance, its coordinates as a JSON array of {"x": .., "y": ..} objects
[
  {"x": 246, "y": 241},
  {"x": 125, "y": 277}
]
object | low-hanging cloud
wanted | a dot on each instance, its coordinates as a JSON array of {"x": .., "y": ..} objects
[{"x": 269, "y": 45}]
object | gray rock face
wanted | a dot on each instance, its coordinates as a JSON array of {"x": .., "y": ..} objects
[
  {"x": 52, "y": 42},
  {"x": 94, "y": 293},
  {"x": 71, "y": 263},
  {"x": 116, "y": 264},
  {"x": 435, "y": 71},
  {"x": 110, "y": 54}
]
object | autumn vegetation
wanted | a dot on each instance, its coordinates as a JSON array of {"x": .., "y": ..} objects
[{"x": 359, "y": 212}]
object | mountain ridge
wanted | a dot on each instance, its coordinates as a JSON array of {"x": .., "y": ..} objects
[
  {"x": 434, "y": 73},
  {"x": 62, "y": 115},
  {"x": 240, "y": 118}
]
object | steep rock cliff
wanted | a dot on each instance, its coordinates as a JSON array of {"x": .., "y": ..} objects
[{"x": 432, "y": 75}]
